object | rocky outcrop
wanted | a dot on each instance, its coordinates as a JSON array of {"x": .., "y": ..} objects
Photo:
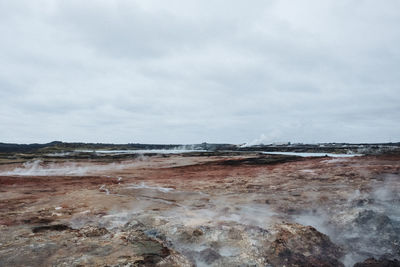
[
  {"x": 298, "y": 245},
  {"x": 93, "y": 231}
]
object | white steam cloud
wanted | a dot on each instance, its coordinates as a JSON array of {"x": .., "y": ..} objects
[
  {"x": 262, "y": 140},
  {"x": 39, "y": 168}
]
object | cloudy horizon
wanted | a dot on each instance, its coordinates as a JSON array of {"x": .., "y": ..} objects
[{"x": 199, "y": 71}]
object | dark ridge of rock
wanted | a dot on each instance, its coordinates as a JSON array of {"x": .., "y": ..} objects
[
  {"x": 372, "y": 262},
  {"x": 298, "y": 245},
  {"x": 249, "y": 161},
  {"x": 55, "y": 227},
  {"x": 152, "y": 250},
  {"x": 262, "y": 160}
]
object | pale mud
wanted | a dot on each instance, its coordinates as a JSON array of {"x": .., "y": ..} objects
[{"x": 206, "y": 211}]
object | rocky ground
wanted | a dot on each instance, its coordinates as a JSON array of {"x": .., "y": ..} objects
[{"x": 201, "y": 210}]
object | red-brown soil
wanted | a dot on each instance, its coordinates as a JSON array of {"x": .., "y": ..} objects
[{"x": 218, "y": 210}]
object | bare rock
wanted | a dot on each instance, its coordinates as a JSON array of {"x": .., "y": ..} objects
[
  {"x": 92, "y": 231},
  {"x": 298, "y": 245},
  {"x": 209, "y": 255},
  {"x": 152, "y": 250}
]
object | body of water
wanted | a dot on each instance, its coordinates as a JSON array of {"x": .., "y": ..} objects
[{"x": 305, "y": 154}]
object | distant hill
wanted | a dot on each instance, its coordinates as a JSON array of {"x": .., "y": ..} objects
[
  {"x": 58, "y": 146},
  {"x": 63, "y": 146}
]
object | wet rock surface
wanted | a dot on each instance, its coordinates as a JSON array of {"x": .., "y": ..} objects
[{"x": 213, "y": 210}]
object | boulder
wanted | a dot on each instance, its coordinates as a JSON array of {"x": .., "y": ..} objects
[{"x": 298, "y": 245}]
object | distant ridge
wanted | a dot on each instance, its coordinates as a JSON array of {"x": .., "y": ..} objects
[
  {"x": 58, "y": 145},
  {"x": 66, "y": 146}
]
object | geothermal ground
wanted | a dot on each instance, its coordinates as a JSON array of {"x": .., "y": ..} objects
[{"x": 200, "y": 209}]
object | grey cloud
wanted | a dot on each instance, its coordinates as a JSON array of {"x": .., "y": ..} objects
[{"x": 193, "y": 71}]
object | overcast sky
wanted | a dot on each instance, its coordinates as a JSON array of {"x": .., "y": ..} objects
[{"x": 192, "y": 71}]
